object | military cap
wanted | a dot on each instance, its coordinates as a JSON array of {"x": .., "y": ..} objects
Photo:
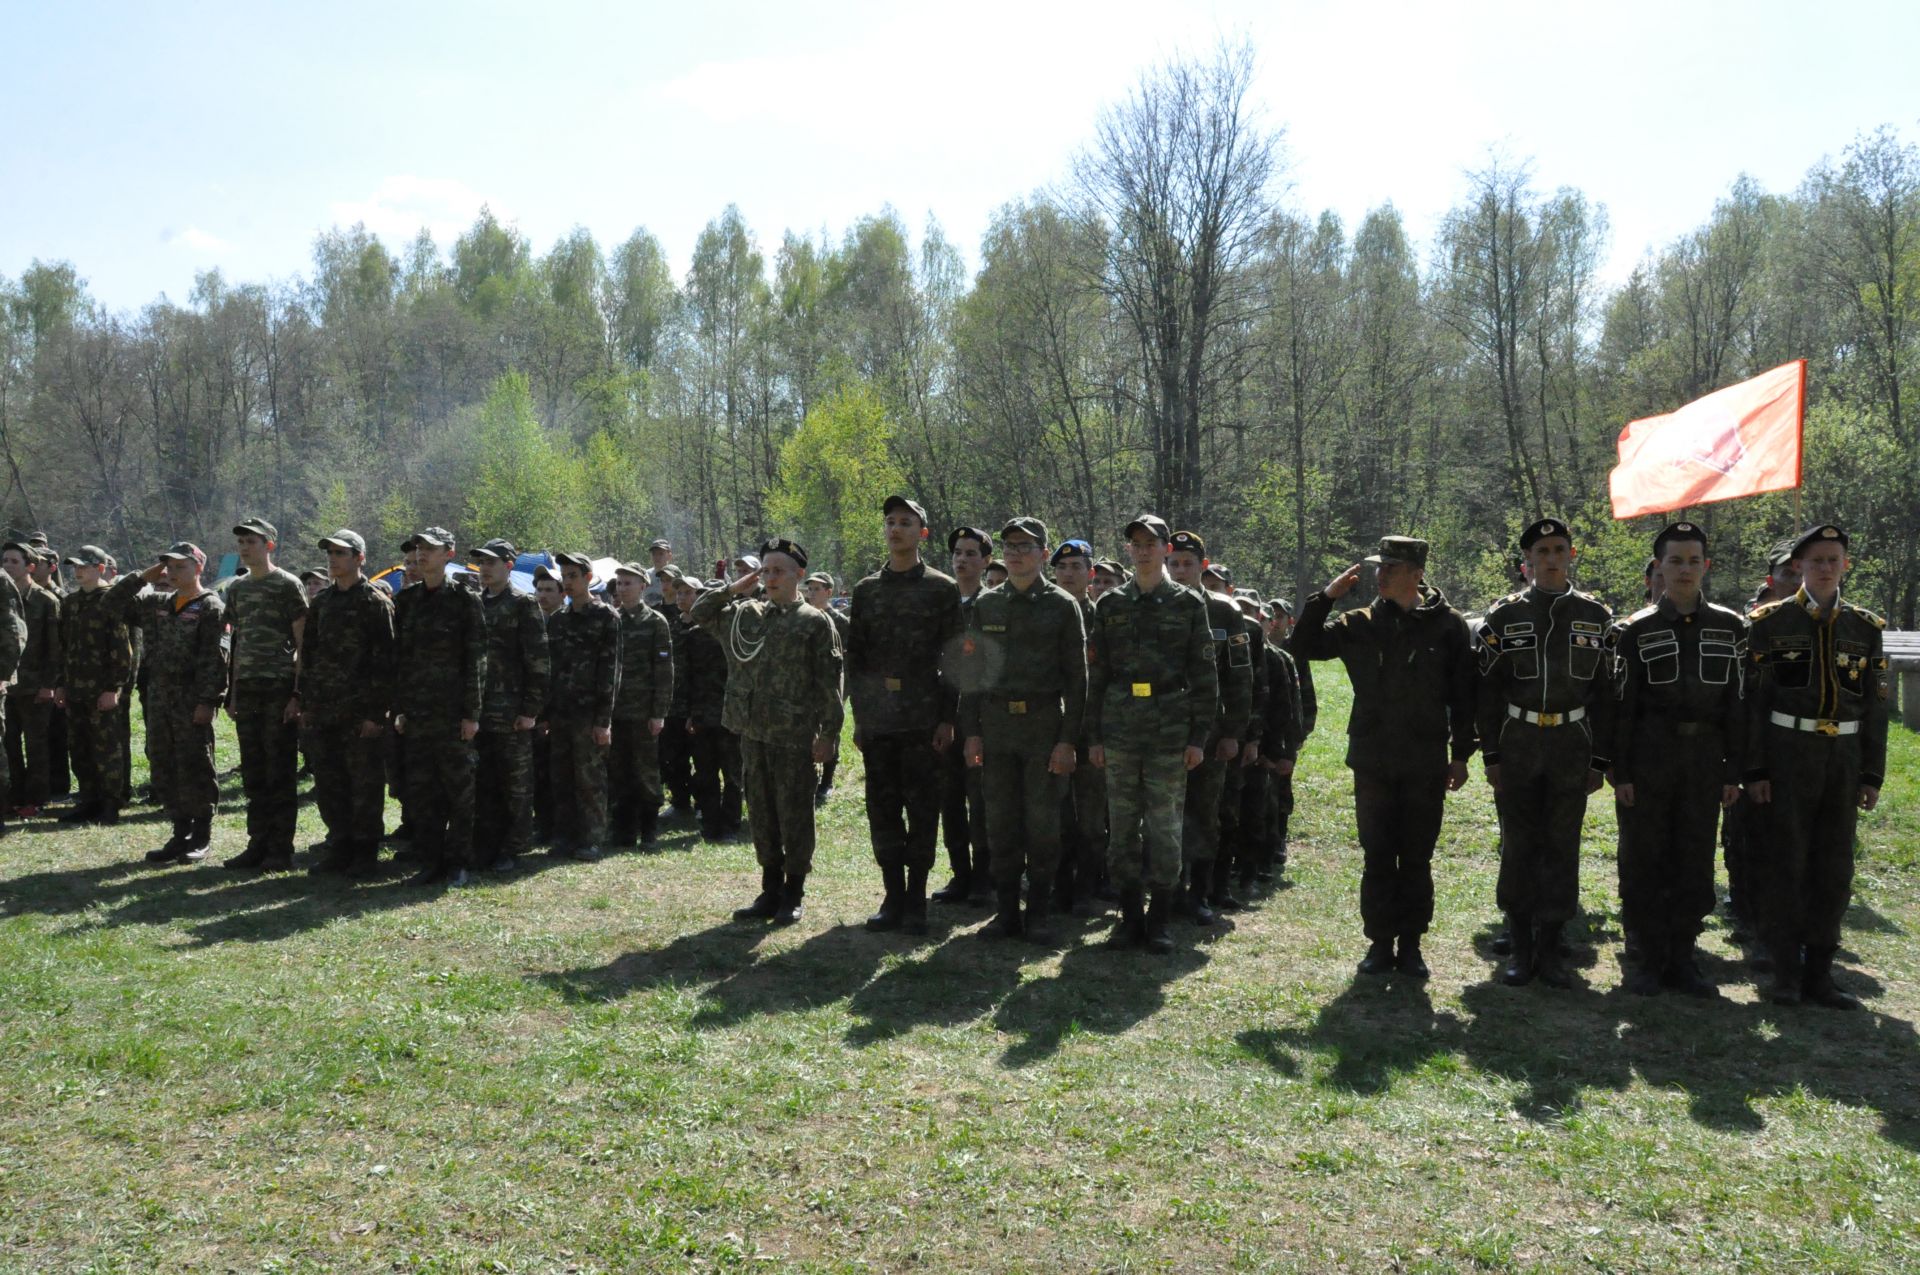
[
  {"x": 411, "y": 542},
  {"x": 344, "y": 539},
  {"x": 697, "y": 584},
  {"x": 661, "y": 544},
  {"x": 1026, "y": 526},
  {"x": 182, "y": 551},
  {"x": 579, "y": 560},
  {"x": 545, "y": 572},
  {"x": 89, "y": 556},
  {"x": 1219, "y": 570},
  {"x": 438, "y": 537},
  {"x": 38, "y": 540},
  {"x": 312, "y": 573},
  {"x": 715, "y": 583},
  {"x": 1146, "y": 522},
  {"x": 1111, "y": 567},
  {"x": 1542, "y": 529},
  {"x": 1284, "y": 607},
  {"x": 958, "y": 534},
  {"x": 633, "y": 569},
  {"x": 1248, "y": 606},
  {"x": 902, "y": 502},
  {"x": 1780, "y": 554},
  {"x": 750, "y": 561},
  {"x": 1187, "y": 541},
  {"x": 256, "y": 527},
  {"x": 780, "y": 544},
  {"x": 498, "y": 547},
  {"x": 1817, "y": 535},
  {"x": 1401, "y": 549},
  {"x": 1072, "y": 549},
  {"x": 819, "y": 577},
  {"x": 668, "y": 572},
  {"x": 1679, "y": 531},
  {"x": 26, "y": 551}
]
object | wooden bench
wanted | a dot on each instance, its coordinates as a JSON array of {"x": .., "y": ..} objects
[{"x": 1903, "y": 662}]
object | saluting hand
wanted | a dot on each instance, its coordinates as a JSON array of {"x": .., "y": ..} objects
[
  {"x": 745, "y": 584},
  {"x": 1342, "y": 584}
]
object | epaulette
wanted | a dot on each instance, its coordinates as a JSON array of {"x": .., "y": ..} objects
[
  {"x": 1766, "y": 609},
  {"x": 1643, "y": 612},
  {"x": 1864, "y": 614}
]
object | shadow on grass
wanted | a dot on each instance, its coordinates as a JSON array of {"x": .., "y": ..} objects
[
  {"x": 828, "y": 966},
  {"x": 717, "y": 952},
  {"x": 957, "y": 982},
  {"x": 1096, "y": 992},
  {"x": 1375, "y": 1031}
]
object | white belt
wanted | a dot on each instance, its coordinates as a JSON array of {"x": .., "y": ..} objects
[
  {"x": 1814, "y": 725},
  {"x": 1520, "y": 714}
]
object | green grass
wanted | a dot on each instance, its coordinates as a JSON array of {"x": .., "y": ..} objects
[{"x": 590, "y": 1068}]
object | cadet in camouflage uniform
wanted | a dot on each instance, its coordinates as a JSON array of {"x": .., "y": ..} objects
[
  {"x": 150, "y": 608},
  {"x": 1083, "y": 852},
  {"x": 1411, "y": 661},
  {"x": 1022, "y": 717},
  {"x": 551, "y": 599},
  {"x": 818, "y": 590},
  {"x": 1262, "y": 824},
  {"x": 517, "y": 675},
  {"x": 186, "y": 678},
  {"x": 676, "y": 746},
  {"x": 583, "y": 649},
  {"x": 440, "y": 676},
  {"x": 1678, "y": 744},
  {"x": 1544, "y": 693},
  {"x": 1217, "y": 581},
  {"x": 13, "y": 644},
  {"x": 267, "y": 613},
  {"x": 783, "y": 699},
  {"x": 347, "y": 669},
  {"x": 97, "y": 654},
  {"x": 963, "y": 805},
  {"x": 658, "y": 594},
  {"x": 1233, "y": 660},
  {"x": 1152, "y": 698},
  {"x": 30, "y": 692},
  {"x": 903, "y": 618},
  {"x": 717, "y": 764},
  {"x": 46, "y": 573},
  {"x": 640, "y": 709},
  {"x": 1816, "y": 755}
]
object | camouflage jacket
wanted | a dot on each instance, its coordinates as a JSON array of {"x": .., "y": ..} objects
[
  {"x": 518, "y": 665},
  {"x": 186, "y": 655},
  {"x": 1283, "y": 731},
  {"x": 150, "y": 609},
  {"x": 40, "y": 660},
  {"x": 706, "y": 678},
  {"x": 440, "y": 652},
  {"x": 583, "y": 646},
  {"x": 346, "y": 656},
  {"x": 680, "y": 632},
  {"x": 96, "y": 638},
  {"x": 1152, "y": 679},
  {"x": 783, "y": 677},
  {"x": 646, "y": 666},
  {"x": 13, "y": 627},
  {"x": 262, "y": 611},
  {"x": 1233, "y": 663},
  {"x": 898, "y": 625}
]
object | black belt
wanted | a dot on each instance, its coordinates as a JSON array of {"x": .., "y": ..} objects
[{"x": 1694, "y": 730}]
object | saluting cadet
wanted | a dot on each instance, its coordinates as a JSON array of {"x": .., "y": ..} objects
[
  {"x": 1816, "y": 757},
  {"x": 1152, "y": 700},
  {"x": 1544, "y": 688},
  {"x": 1678, "y": 734},
  {"x": 1022, "y": 715}
]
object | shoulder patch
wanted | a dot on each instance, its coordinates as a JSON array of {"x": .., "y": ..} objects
[
  {"x": 1643, "y": 613},
  {"x": 1866, "y": 615},
  {"x": 1766, "y": 609}
]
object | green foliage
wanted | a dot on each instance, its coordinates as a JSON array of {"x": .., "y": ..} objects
[
  {"x": 835, "y": 472},
  {"x": 525, "y": 484}
]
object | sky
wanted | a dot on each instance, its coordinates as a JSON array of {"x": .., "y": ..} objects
[{"x": 145, "y": 143}]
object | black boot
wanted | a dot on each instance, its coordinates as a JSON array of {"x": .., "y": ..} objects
[
  {"x": 649, "y": 826},
  {"x": 1818, "y": 986},
  {"x": 1519, "y": 970},
  {"x": 1642, "y": 979},
  {"x": 1547, "y": 961},
  {"x": 82, "y": 812},
  {"x": 176, "y": 846},
  {"x": 792, "y": 899},
  {"x": 199, "y": 837},
  {"x": 1034, "y": 924},
  {"x": 1682, "y": 972},
  {"x": 365, "y": 861},
  {"x": 1159, "y": 938},
  {"x": 915, "y": 919},
  {"x": 1063, "y": 885},
  {"x": 766, "y": 903},
  {"x": 1410, "y": 962},
  {"x": 1787, "y": 974},
  {"x": 252, "y": 857},
  {"x": 954, "y": 891},
  {"x": 1379, "y": 957},
  {"x": 337, "y": 858},
  {"x": 1006, "y": 918},
  {"x": 1131, "y": 929},
  {"x": 1198, "y": 885},
  {"x": 894, "y": 905}
]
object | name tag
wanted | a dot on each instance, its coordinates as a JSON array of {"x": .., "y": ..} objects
[
  {"x": 1143, "y": 690},
  {"x": 994, "y": 628},
  {"x": 1016, "y": 707}
]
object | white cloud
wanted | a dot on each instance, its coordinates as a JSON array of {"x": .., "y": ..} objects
[
  {"x": 197, "y": 242},
  {"x": 403, "y": 203}
]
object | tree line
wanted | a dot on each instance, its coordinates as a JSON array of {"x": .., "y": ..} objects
[{"x": 1162, "y": 330}]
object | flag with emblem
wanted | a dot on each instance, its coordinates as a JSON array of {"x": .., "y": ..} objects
[{"x": 1738, "y": 441}]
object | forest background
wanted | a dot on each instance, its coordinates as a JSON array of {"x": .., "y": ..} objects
[{"x": 1162, "y": 329}]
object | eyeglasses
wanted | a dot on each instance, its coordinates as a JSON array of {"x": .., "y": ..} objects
[{"x": 1019, "y": 546}]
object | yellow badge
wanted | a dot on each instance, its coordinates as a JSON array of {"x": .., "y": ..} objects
[{"x": 1143, "y": 690}]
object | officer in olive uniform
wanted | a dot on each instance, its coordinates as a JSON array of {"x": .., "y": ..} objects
[
  {"x": 583, "y": 648},
  {"x": 346, "y": 700},
  {"x": 186, "y": 666},
  {"x": 1543, "y": 698},
  {"x": 440, "y": 674},
  {"x": 517, "y": 674},
  {"x": 551, "y": 599},
  {"x": 1678, "y": 733},
  {"x": 1233, "y": 660},
  {"x": 901, "y": 620},
  {"x": 1816, "y": 756},
  {"x": 1152, "y": 699},
  {"x": 639, "y": 710},
  {"x": 963, "y": 803},
  {"x": 1022, "y": 718},
  {"x": 783, "y": 700},
  {"x": 1410, "y": 734},
  {"x": 267, "y": 613}
]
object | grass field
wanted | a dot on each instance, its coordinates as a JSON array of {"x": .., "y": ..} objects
[{"x": 589, "y": 1067}]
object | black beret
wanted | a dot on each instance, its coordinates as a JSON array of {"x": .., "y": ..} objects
[
  {"x": 1816, "y": 535},
  {"x": 958, "y": 534},
  {"x": 1544, "y": 528},
  {"x": 780, "y": 544},
  {"x": 1678, "y": 531}
]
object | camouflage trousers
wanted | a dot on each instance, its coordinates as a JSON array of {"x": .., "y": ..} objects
[
  {"x": 349, "y": 779},
  {"x": 676, "y": 762},
  {"x": 1146, "y": 797},
  {"x": 1023, "y": 800},
  {"x": 503, "y": 794},
  {"x": 29, "y": 750},
  {"x": 98, "y": 751},
  {"x": 179, "y": 753},
  {"x": 780, "y": 786},
  {"x": 633, "y": 775},
  {"x": 579, "y": 783},
  {"x": 903, "y": 798},
  {"x": 269, "y": 759},
  {"x": 1200, "y": 825},
  {"x": 440, "y": 774}
]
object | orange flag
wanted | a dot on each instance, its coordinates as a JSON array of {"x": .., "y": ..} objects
[{"x": 1739, "y": 441}]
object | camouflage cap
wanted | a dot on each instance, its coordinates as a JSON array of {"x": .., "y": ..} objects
[
  {"x": 661, "y": 543},
  {"x": 1399, "y": 549},
  {"x": 1111, "y": 567},
  {"x": 545, "y": 572},
  {"x": 438, "y": 537},
  {"x": 1542, "y": 529},
  {"x": 1219, "y": 571},
  {"x": 1146, "y": 522},
  {"x": 1818, "y": 535},
  {"x": 748, "y": 560},
  {"x": 819, "y": 577},
  {"x": 635, "y": 570},
  {"x": 579, "y": 560},
  {"x": 38, "y": 539},
  {"x": 90, "y": 556},
  {"x": 497, "y": 548},
  {"x": 182, "y": 551},
  {"x": 696, "y": 584},
  {"x": 313, "y": 573},
  {"x": 1025, "y": 525},
  {"x": 256, "y": 527},
  {"x": 666, "y": 573},
  {"x": 1780, "y": 554},
  {"x": 912, "y": 506},
  {"x": 351, "y": 541},
  {"x": 26, "y": 551}
]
